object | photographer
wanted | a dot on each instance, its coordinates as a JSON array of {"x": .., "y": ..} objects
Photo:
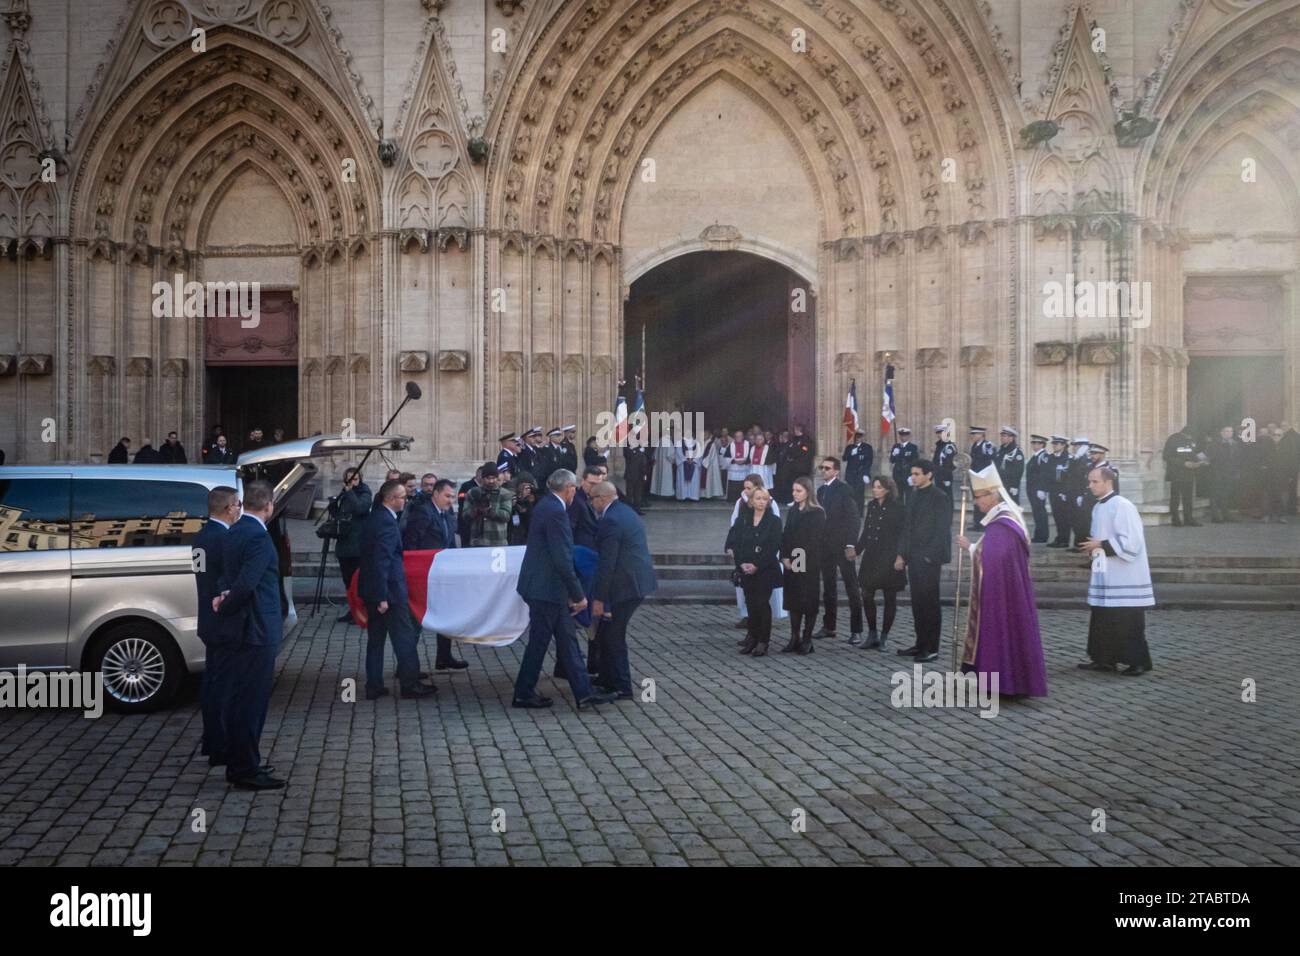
[
  {"x": 525, "y": 497},
  {"x": 348, "y": 509},
  {"x": 489, "y": 506}
]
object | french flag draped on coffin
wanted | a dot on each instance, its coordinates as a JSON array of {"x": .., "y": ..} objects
[{"x": 469, "y": 593}]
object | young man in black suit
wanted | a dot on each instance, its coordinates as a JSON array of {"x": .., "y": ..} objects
[
  {"x": 923, "y": 549},
  {"x": 842, "y": 524}
]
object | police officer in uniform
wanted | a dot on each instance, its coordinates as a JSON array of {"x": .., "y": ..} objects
[
  {"x": 1085, "y": 500},
  {"x": 981, "y": 456},
  {"x": 1038, "y": 479},
  {"x": 508, "y": 456},
  {"x": 1010, "y": 462},
  {"x": 1058, "y": 460},
  {"x": 549, "y": 457},
  {"x": 902, "y": 457},
  {"x": 569, "y": 451},
  {"x": 945, "y": 460},
  {"x": 527, "y": 454},
  {"x": 1182, "y": 460},
  {"x": 857, "y": 468}
]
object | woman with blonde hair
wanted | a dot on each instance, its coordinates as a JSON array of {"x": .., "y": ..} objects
[{"x": 755, "y": 543}]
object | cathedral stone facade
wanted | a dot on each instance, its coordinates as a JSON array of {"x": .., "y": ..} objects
[{"x": 463, "y": 193}]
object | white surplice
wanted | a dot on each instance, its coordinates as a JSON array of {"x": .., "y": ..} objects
[
  {"x": 715, "y": 466},
  {"x": 661, "y": 481}
]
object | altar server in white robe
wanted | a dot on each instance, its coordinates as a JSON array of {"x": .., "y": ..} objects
[
  {"x": 661, "y": 481},
  {"x": 715, "y": 466},
  {"x": 778, "y": 596},
  {"x": 688, "y": 470},
  {"x": 1119, "y": 590}
]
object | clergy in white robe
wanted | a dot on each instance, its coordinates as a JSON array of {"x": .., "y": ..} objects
[
  {"x": 714, "y": 466},
  {"x": 665, "y": 464},
  {"x": 1119, "y": 588},
  {"x": 688, "y": 476},
  {"x": 762, "y": 461},
  {"x": 778, "y": 595}
]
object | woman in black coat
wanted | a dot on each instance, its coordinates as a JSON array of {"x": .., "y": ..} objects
[
  {"x": 801, "y": 548},
  {"x": 878, "y": 544},
  {"x": 755, "y": 543}
]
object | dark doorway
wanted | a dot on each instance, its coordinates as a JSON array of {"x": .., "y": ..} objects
[
  {"x": 1224, "y": 389},
  {"x": 242, "y": 398},
  {"x": 727, "y": 334}
]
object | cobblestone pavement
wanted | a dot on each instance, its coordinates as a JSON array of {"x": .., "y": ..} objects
[{"x": 711, "y": 772}]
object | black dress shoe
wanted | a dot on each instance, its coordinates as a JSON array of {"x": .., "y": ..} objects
[
  {"x": 1094, "y": 666},
  {"x": 345, "y": 616},
  {"x": 589, "y": 703},
  {"x": 926, "y": 658},
  {"x": 419, "y": 690},
  {"x": 533, "y": 703},
  {"x": 376, "y": 693},
  {"x": 259, "y": 781},
  {"x": 451, "y": 665},
  {"x": 907, "y": 651},
  {"x": 1135, "y": 670}
]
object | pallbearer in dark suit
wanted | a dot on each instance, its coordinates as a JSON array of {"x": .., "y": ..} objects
[
  {"x": 550, "y": 587},
  {"x": 925, "y": 547},
  {"x": 206, "y": 550},
  {"x": 625, "y": 576},
  {"x": 251, "y": 628},
  {"x": 381, "y": 583},
  {"x": 841, "y": 535},
  {"x": 1038, "y": 469}
]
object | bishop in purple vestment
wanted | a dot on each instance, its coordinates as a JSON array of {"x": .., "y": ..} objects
[{"x": 1002, "y": 634}]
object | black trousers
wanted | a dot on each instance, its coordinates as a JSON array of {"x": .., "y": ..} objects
[
  {"x": 734, "y": 490},
  {"x": 1040, "y": 517},
  {"x": 869, "y": 605},
  {"x": 635, "y": 481},
  {"x": 927, "y": 615},
  {"x": 1182, "y": 490},
  {"x": 250, "y": 672},
  {"x": 1063, "y": 515},
  {"x": 758, "y": 601},
  {"x": 347, "y": 568},
  {"x": 612, "y": 640},
  {"x": 841, "y": 567},
  {"x": 857, "y": 492}
]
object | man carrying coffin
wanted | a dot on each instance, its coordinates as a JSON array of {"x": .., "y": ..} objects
[
  {"x": 1119, "y": 591},
  {"x": 1002, "y": 634}
]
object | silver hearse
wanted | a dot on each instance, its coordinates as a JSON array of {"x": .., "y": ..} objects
[{"x": 96, "y": 569}]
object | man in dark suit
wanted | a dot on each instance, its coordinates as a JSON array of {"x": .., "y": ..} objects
[
  {"x": 634, "y": 470},
  {"x": 382, "y": 585},
  {"x": 120, "y": 455},
  {"x": 220, "y": 453},
  {"x": 841, "y": 535},
  {"x": 624, "y": 577},
  {"x": 206, "y": 551},
  {"x": 433, "y": 528},
  {"x": 582, "y": 516},
  {"x": 172, "y": 452},
  {"x": 250, "y": 627},
  {"x": 924, "y": 547},
  {"x": 550, "y": 586}
]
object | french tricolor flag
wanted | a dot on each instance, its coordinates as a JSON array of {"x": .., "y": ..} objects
[
  {"x": 887, "y": 401},
  {"x": 851, "y": 411},
  {"x": 465, "y": 593}
]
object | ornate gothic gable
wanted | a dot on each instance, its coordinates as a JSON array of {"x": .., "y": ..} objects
[
  {"x": 155, "y": 27},
  {"x": 27, "y": 203},
  {"x": 1075, "y": 170}
]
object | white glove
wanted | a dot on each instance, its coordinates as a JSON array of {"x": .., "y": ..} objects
[{"x": 1042, "y": 496}]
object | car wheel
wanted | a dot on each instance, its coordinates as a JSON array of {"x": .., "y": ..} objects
[{"x": 140, "y": 665}]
